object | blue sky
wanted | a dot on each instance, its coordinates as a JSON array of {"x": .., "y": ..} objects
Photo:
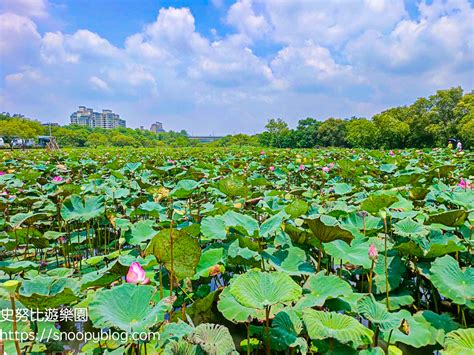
[{"x": 227, "y": 66}]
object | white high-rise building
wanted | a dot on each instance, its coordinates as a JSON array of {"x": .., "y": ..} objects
[{"x": 106, "y": 119}]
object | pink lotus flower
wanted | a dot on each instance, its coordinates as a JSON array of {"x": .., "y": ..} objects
[
  {"x": 262, "y": 152},
  {"x": 302, "y": 167},
  {"x": 464, "y": 184},
  {"x": 391, "y": 153},
  {"x": 2, "y": 173},
  {"x": 331, "y": 165},
  {"x": 171, "y": 161},
  {"x": 373, "y": 253},
  {"x": 136, "y": 275},
  {"x": 272, "y": 168},
  {"x": 57, "y": 179},
  {"x": 326, "y": 169}
]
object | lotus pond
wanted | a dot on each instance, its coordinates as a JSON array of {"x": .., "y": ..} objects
[{"x": 224, "y": 251}]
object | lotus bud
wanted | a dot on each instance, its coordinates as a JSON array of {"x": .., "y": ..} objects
[
  {"x": 136, "y": 275},
  {"x": 11, "y": 286},
  {"x": 373, "y": 253},
  {"x": 57, "y": 179},
  {"x": 302, "y": 167},
  {"x": 325, "y": 169},
  {"x": 272, "y": 168}
]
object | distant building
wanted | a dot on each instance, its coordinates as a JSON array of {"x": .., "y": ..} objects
[
  {"x": 157, "y": 127},
  {"x": 87, "y": 117}
]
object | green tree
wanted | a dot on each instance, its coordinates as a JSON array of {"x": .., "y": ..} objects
[
  {"x": 12, "y": 127},
  {"x": 122, "y": 140},
  {"x": 392, "y": 133},
  {"x": 362, "y": 133},
  {"x": 332, "y": 132},
  {"x": 306, "y": 134},
  {"x": 277, "y": 129},
  {"x": 97, "y": 139}
]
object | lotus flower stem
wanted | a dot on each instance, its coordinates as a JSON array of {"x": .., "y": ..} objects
[
  {"x": 172, "y": 257},
  {"x": 389, "y": 337},
  {"x": 17, "y": 343},
  {"x": 160, "y": 276},
  {"x": 247, "y": 325},
  {"x": 463, "y": 317},
  {"x": 386, "y": 265},
  {"x": 267, "y": 330},
  {"x": 370, "y": 276}
]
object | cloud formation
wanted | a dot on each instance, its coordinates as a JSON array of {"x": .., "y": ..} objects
[{"x": 288, "y": 59}]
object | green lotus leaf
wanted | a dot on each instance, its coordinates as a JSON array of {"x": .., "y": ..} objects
[
  {"x": 140, "y": 232},
  {"x": 184, "y": 188},
  {"x": 297, "y": 208},
  {"x": 327, "y": 229},
  {"x": 186, "y": 251},
  {"x": 233, "y": 186},
  {"x": 373, "y": 351},
  {"x": 272, "y": 225},
  {"x": 321, "y": 288},
  {"x": 452, "y": 282},
  {"x": 396, "y": 269},
  {"x": 233, "y": 310},
  {"x": 208, "y": 259},
  {"x": 459, "y": 342},
  {"x": 53, "y": 235},
  {"x": 240, "y": 221},
  {"x": 213, "y": 228},
  {"x": 377, "y": 313},
  {"x": 181, "y": 347},
  {"x": 409, "y": 228},
  {"x": 286, "y": 326},
  {"x": 48, "y": 292},
  {"x": 26, "y": 218},
  {"x": 213, "y": 339},
  {"x": 347, "y": 330},
  {"x": 235, "y": 251},
  {"x": 263, "y": 289},
  {"x": 356, "y": 253},
  {"x": 374, "y": 203},
  {"x": 77, "y": 209},
  {"x": 355, "y": 220},
  {"x": 453, "y": 218},
  {"x": 174, "y": 331},
  {"x": 342, "y": 188},
  {"x": 440, "y": 324},
  {"x": 16, "y": 267},
  {"x": 291, "y": 261},
  {"x": 421, "y": 333},
  {"x": 128, "y": 307}
]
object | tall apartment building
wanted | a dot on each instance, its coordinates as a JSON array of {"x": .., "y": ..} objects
[
  {"x": 87, "y": 117},
  {"x": 157, "y": 127}
]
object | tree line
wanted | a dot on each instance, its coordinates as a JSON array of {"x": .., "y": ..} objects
[{"x": 428, "y": 122}]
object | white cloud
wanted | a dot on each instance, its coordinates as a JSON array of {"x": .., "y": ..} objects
[
  {"x": 330, "y": 23},
  {"x": 29, "y": 8},
  {"x": 289, "y": 59},
  {"x": 99, "y": 84},
  {"x": 19, "y": 41},
  {"x": 243, "y": 17}
]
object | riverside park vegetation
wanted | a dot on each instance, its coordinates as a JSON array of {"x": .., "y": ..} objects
[{"x": 333, "y": 250}]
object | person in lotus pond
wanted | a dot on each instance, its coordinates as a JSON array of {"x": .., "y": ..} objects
[{"x": 459, "y": 146}]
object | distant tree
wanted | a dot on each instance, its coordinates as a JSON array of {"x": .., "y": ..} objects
[
  {"x": 392, "y": 133},
  {"x": 362, "y": 133},
  {"x": 122, "y": 140},
  {"x": 277, "y": 129},
  {"x": 332, "y": 132},
  {"x": 24, "y": 129},
  {"x": 97, "y": 139},
  {"x": 306, "y": 134}
]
